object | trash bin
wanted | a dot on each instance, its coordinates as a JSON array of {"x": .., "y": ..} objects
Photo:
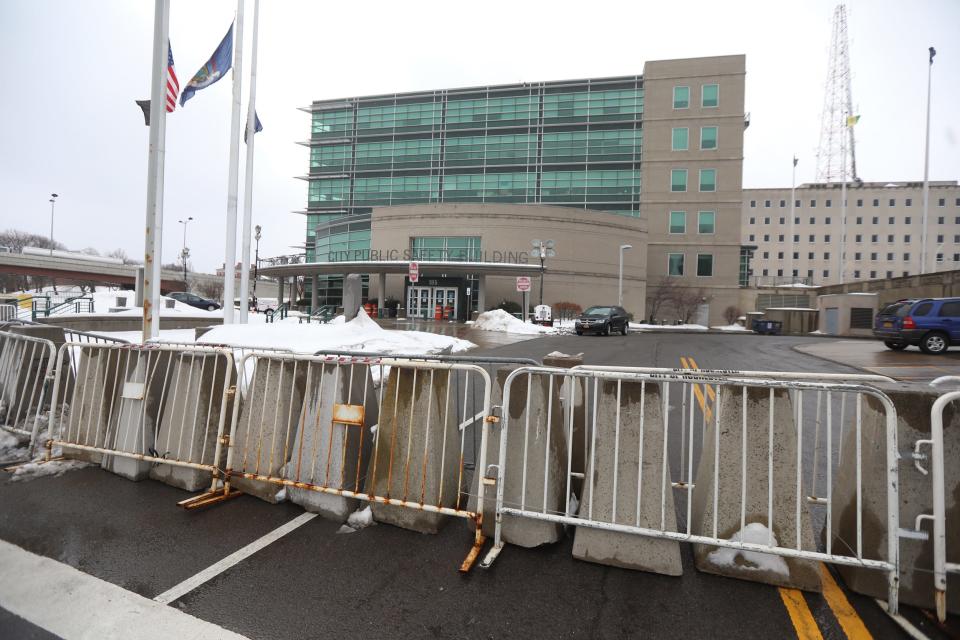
[{"x": 767, "y": 327}]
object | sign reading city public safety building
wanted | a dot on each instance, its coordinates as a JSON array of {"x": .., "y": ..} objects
[
  {"x": 413, "y": 272},
  {"x": 523, "y": 283}
]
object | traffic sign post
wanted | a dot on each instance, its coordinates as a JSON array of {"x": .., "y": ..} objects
[
  {"x": 523, "y": 286},
  {"x": 413, "y": 272}
]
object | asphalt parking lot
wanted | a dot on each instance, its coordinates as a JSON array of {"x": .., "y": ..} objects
[{"x": 384, "y": 582}]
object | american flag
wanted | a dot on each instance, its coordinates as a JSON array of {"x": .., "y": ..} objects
[{"x": 173, "y": 85}]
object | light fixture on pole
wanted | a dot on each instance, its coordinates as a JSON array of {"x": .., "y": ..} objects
[
  {"x": 256, "y": 259},
  {"x": 184, "y": 253},
  {"x": 623, "y": 248},
  {"x": 53, "y": 201},
  {"x": 542, "y": 249}
]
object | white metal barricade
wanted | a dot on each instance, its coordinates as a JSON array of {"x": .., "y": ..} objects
[
  {"x": 157, "y": 404},
  {"x": 939, "y": 516},
  {"x": 26, "y": 373},
  {"x": 389, "y": 431},
  {"x": 767, "y": 393}
]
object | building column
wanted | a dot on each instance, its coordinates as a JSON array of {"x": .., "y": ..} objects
[
  {"x": 481, "y": 294},
  {"x": 382, "y": 289},
  {"x": 313, "y": 294},
  {"x": 280, "y": 290}
]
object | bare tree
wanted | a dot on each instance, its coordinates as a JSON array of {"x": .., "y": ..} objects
[
  {"x": 212, "y": 290},
  {"x": 731, "y": 313},
  {"x": 16, "y": 240},
  {"x": 686, "y": 300},
  {"x": 90, "y": 251},
  {"x": 661, "y": 294},
  {"x": 120, "y": 254}
]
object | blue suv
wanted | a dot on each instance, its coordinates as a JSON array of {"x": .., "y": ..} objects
[{"x": 932, "y": 324}]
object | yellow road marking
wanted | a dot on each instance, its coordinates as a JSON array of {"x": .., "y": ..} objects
[
  {"x": 710, "y": 392},
  {"x": 704, "y": 407},
  {"x": 846, "y": 615},
  {"x": 803, "y": 622}
]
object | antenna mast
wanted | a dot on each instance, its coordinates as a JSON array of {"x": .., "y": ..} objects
[{"x": 832, "y": 165}]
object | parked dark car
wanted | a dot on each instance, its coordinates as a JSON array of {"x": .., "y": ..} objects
[
  {"x": 932, "y": 324},
  {"x": 194, "y": 301},
  {"x": 603, "y": 320}
]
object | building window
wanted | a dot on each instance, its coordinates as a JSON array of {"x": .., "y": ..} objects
[
  {"x": 858, "y": 238},
  {"x": 681, "y": 97},
  {"x": 783, "y": 203},
  {"x": 908, "y": 202},
  {"x": 859, "y": 220},
  {"x": 876, "y": 202},
  {"x": 940, "y": 220},
  {"x": 956, "y": 239},
  {"x": 876, "y": 220},
  {"x": 752, "y": 238},
  {"x": 889, "y": 274},
  {"x": 706, "y": 221},
  {"x": 890, "y": 237},
  {"x": 766, "y": 237},
  {"x": 765, "y": 272},
  {"x": 891, "y": 220},
  {"x": 859, "y": 202},
  {"x": 811, "y": 238},
  {"x": 941, "y": 202},
  {"x": 779, "y": 255},
  {"x": 907, "y": 220},
  {"x": 678, "y": 180},
  {"x": 753, "y": 205},
  {"x": 766, "y": 203},
  {"x": 766, "y": 255},
  {"x": 906, "y": 273},
  {"x": 826, "y": 273},
  {"x": 874, "y": 238},
  {"x": 783, "y": 220},
  {"x": 829, "y": 203},
  {"x": 796, "y": 220},
  {"x": 796, "y": 256},
  {"x": 813, "y": 203},
  {"x": 708, "y": 179},
  {"x": 810, "y": 255},
  {"x": 780, "y": 238},
  {"x": 766, "y": 221},
  {"x": 705, "y": 264},
  {"x": 893, "y": 202},
  {"x": 906, "y": 238},
  {"x": 680, "y": 139},
  {"x": 873, "y": 256},
  {"x": 753, "y": 221},
  {"x": 957, "y": 203},
  {"x": 779, "y": 272},
  {"x": 675, "y": 264},
  {"x": 956, "y": 257},
  {"x": 956, "y": 220},
  {"x": 826, "y": 220},
  {"x": 939, "y": 257},
  {"x": 796, "y": 237},
  {"x": 856, "y": 274},
  {"x": 796, "y": 204},
  {"x": 708, "y": 137},
  {"x": 678, "y": 222},
  {"x": 906, "y": 257},
  {"x": 889, "y": 257},
  {"x": 813, "y": 221},
  {"x": 809, "y": 273},
  {"x": 939, "y": 238},
  {"x": 710, "y": 95},
  {"x": 856, "y": 257},
  {"x": 826, "y": 255}
]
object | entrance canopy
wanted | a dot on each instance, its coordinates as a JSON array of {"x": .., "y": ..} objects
[{"x": 399, "y": 267}]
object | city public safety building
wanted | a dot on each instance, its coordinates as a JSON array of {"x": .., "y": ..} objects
[{"x": 463, "y": 181}]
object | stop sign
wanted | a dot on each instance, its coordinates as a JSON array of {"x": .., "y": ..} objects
[
  {"x": 523, "y": 283},
  {"x": 413, "y": 272}
]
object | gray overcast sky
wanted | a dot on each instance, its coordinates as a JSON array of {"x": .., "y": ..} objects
[{"x": 73, "y": 70}]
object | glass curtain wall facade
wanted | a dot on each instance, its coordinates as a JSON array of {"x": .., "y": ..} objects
[{"x": 573, "y": 143}]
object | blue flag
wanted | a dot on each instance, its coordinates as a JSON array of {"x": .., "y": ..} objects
[
  {"x": 257, "y": 127},
  {"x": 215, "y": 68}
]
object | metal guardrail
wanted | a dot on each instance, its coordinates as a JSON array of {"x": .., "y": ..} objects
[
  {"x": 26, "y": 372},
  {"x": 604, "y": 397}
]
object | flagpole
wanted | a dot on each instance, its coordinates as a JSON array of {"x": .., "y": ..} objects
[
  {"x": 154, "y": 214},
  {"x": 248, "y": 174},
  {"x": 791, "y": 244},
  {"x": 843, "y": 198},
  {"x": 926, "y": 172},
  {"x": 230, "y": 255}
]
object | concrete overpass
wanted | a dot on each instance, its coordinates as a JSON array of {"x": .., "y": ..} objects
[{"x": 69, "y": 271}]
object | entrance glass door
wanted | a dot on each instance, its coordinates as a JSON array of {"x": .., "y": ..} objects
[
  {"x": 447, "y": 298},
  {"x": 419, "y": 302}
]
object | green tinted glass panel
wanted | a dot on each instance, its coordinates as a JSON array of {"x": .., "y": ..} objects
[
  {"x": 590, "y": 186},
  {"x": 502, "y": 149},
  {"x": 678, "y": 180},
  {"x": 711, "y": 95},
  {"x": 680, "y": 139},
  {"x": 678, "y": 222},
  {"x": 600, "y": 146},
  {"x": 412, "y": 117},
  {"x": 335, "y": 157},
  {"x": 675, "y": 264},
  {"x": 490, "y": 187},
  {"x": 325, "y": 192},
  {"x": 706, "y": 222},
  {"x": 616, "y": 104},
  {"x": 704, "y": 264},
  {"x": 396, "y": 190},
  {"x": 708, "y": 138},
  {"x": 454, "y": 248},
  {"x": 493, "y": 112},
  {"x": 398, "y": 154},
  {"x": 681, "y": 97},
  {"x": 708, "y": 179},
  {"x": 331, "y": 124}
]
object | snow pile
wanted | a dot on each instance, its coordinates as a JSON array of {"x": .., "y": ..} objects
[
  {"x": 39, "y": 469},
  {"x": 755, "y": 533},
  {"x": 731, "y": 327},
  {"x": 103, "y": 301},
  {"x": 500, "y": 320},
  {"x": 359, "y": 519},
  {"x": 10, "y": 448},
  {"x": 360, "y": 334},
  {"x": 639, "y": 326}
]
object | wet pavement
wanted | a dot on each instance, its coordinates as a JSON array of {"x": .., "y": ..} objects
[
  {"x": 911, "y": 364},
  {"x": 483, "y": 339}
]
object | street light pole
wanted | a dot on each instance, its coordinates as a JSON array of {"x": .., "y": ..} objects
[
  {"x": 53, "y": 201},
  {"x": 256, "y": 260},
  {"x": 623, "y": 248},
  {"x": 183, "y": 253},
  {"x": 926, "y": 172}
]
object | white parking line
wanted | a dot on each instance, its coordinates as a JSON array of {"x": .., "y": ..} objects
[
  {"x": 72, "y": 604},
  {"x": 217, "y": 568}
]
